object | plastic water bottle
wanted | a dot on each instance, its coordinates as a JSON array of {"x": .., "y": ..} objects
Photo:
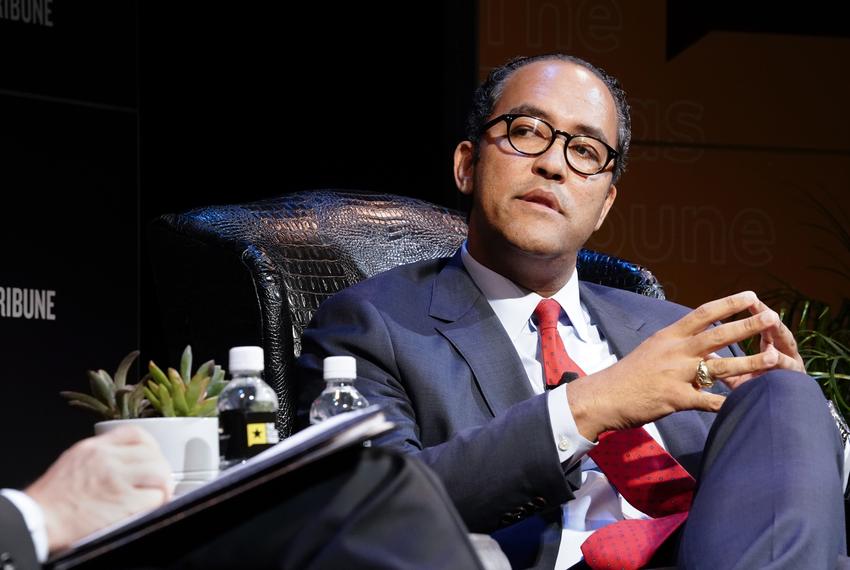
[
  {"x": 339, "y": 395},
  {"x": 247, "y": 408}
]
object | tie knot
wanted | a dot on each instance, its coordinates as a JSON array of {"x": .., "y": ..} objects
[{"x": 547, "y": 313}]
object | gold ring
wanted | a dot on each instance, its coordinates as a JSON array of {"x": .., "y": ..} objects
[{"x": 703, "y": 379}]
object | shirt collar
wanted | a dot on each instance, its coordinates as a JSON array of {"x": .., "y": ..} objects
[{"x": 514, "y": 305}]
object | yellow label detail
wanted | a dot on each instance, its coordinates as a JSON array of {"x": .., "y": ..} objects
[{"x": 256, "y": 434}]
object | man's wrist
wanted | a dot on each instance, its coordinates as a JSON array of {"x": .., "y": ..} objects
[
  {"x": 584, "y": 404},
  {"x": 571, "y": 446}
]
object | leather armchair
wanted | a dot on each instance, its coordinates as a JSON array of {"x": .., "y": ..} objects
[{"x": 255, "y": 273}]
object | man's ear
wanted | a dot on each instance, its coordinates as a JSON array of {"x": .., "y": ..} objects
[
  {"x": 464, "y": 166},
  {"x": 609, "y": 201}
]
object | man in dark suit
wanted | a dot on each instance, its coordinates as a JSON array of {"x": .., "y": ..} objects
[{"x": 452, "y": 349}]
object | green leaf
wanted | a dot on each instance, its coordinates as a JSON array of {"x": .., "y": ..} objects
[
  {"x": 204, "y": 370},
  {"x": 133, "y": 396},
  {"x": 123, "y": 405},
  {"x": 86, "y": 401},
  {"x": 837, "y": 394},
  {"x": 107, "y": 380},
  {"x": 102, "y": 387},
  {"x": 145, "y": 409},
  {"x": 208, "y": 408},
  {"x": 217, "y": 383},
  {"x": 121, "y": 372},
  {"x": 178, "y": 396},
  {"x": 167, "y": 402},
  {"x": 186, "y": 364},
  {"x": 215, "y": 388},
  {"x": 177, "y": 393},
  {"x": 152, "y": 397},
  {"x": 805, "y": 312},
  {"x": 218, "y": 374},
  {"x": 197, "y": 390},
  {"x": 176, "y": 383},
  {"x": 157, "y": 374},
  {"x": 101, "y": 411}
]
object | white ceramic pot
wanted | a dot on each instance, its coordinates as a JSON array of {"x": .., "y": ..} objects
[{"x": 190, "y": 445}]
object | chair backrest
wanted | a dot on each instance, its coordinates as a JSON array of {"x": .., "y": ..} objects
[{"x": 255, "y": 273}]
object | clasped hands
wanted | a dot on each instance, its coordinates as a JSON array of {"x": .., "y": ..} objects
[{"x": 657, "y": 378}]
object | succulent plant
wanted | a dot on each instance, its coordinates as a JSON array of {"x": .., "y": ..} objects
[
  {"x": 111, "y": 397},
  {"x": 175, "y": 393}
]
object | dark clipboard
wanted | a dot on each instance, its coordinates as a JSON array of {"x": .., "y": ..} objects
[{"x": 301, "y": 449}]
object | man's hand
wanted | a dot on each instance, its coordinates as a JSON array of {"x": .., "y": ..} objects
[
  {"x": 778, "y": 341},
  {"x": 99, "y": 481},
  {"x": 657, "y": 378}
]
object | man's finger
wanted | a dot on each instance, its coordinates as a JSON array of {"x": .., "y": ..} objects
[
  {"x": 780, "y": 336},
  {"x": 143, "y": 499},
  {"x": 783, "y": 339},
  {"x": 128, "y": 435},
  {"x": 760, "y": 307},
  {"x": 736, "y": 365},
  {"x": 155, "y": 480},
  {"x": 789, "y": 363},
  {"x": 708, "y": 402},
  {"x": 728, "y": 333},
  {"x": 708, "y": 313}
]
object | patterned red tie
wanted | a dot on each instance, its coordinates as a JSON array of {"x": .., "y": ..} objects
[{"x": 635, "y": 464}]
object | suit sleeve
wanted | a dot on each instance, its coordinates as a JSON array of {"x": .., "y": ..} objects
[
  {"x": 496, "y": 473},
  {"x": 16, "y": 548}
]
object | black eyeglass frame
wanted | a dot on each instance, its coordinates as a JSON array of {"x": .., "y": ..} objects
[{"x": 509, "y": 118}]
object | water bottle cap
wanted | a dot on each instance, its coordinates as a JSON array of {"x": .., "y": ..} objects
[
  {"x": 340, "y": 367},
  {"x": 246, "y": 359}
]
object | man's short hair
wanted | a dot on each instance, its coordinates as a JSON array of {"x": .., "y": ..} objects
[{"x": 485, "y": 97}]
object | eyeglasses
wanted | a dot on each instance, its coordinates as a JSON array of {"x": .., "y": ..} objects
[{"x": 533, "y": 136}]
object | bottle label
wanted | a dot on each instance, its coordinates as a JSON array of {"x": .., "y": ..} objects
[{"x": 245, "y": 434}]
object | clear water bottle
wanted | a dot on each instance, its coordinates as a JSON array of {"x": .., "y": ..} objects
[
  {"x": 339, "y": 395},
  {"x": 247, "y": 408}
]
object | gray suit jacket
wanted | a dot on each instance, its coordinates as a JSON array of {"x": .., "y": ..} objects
[
  {"x": 430, "y": 350},
  {"x": 16, "y": 549}
]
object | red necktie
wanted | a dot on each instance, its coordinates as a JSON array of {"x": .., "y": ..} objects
[{"x": 635, "y": 464}]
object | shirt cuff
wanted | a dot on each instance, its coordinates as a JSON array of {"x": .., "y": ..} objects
[
  {"x": 33, "y": 517},
  {"x": 846, "y": 471},
  {"x": 571, "y": 445}
]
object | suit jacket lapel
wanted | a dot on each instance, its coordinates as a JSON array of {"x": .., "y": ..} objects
[
  {"x": 621, "y": 328},
  {"x": 684, "y": 433},
  {"x": 475, "y": 331}
]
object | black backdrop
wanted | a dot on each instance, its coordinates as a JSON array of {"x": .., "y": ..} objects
[
  {"x": 112, "y": 113},
  {"x": 241, "y": 105},
  {"x": 69, "y": 209}
]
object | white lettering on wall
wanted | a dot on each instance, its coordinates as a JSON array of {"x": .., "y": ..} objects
[
  {"x": 36, "y": 12},
  {"x": 21, "y": 303}
]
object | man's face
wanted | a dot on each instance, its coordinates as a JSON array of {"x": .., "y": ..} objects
[{"x": 538, "y": 206}]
